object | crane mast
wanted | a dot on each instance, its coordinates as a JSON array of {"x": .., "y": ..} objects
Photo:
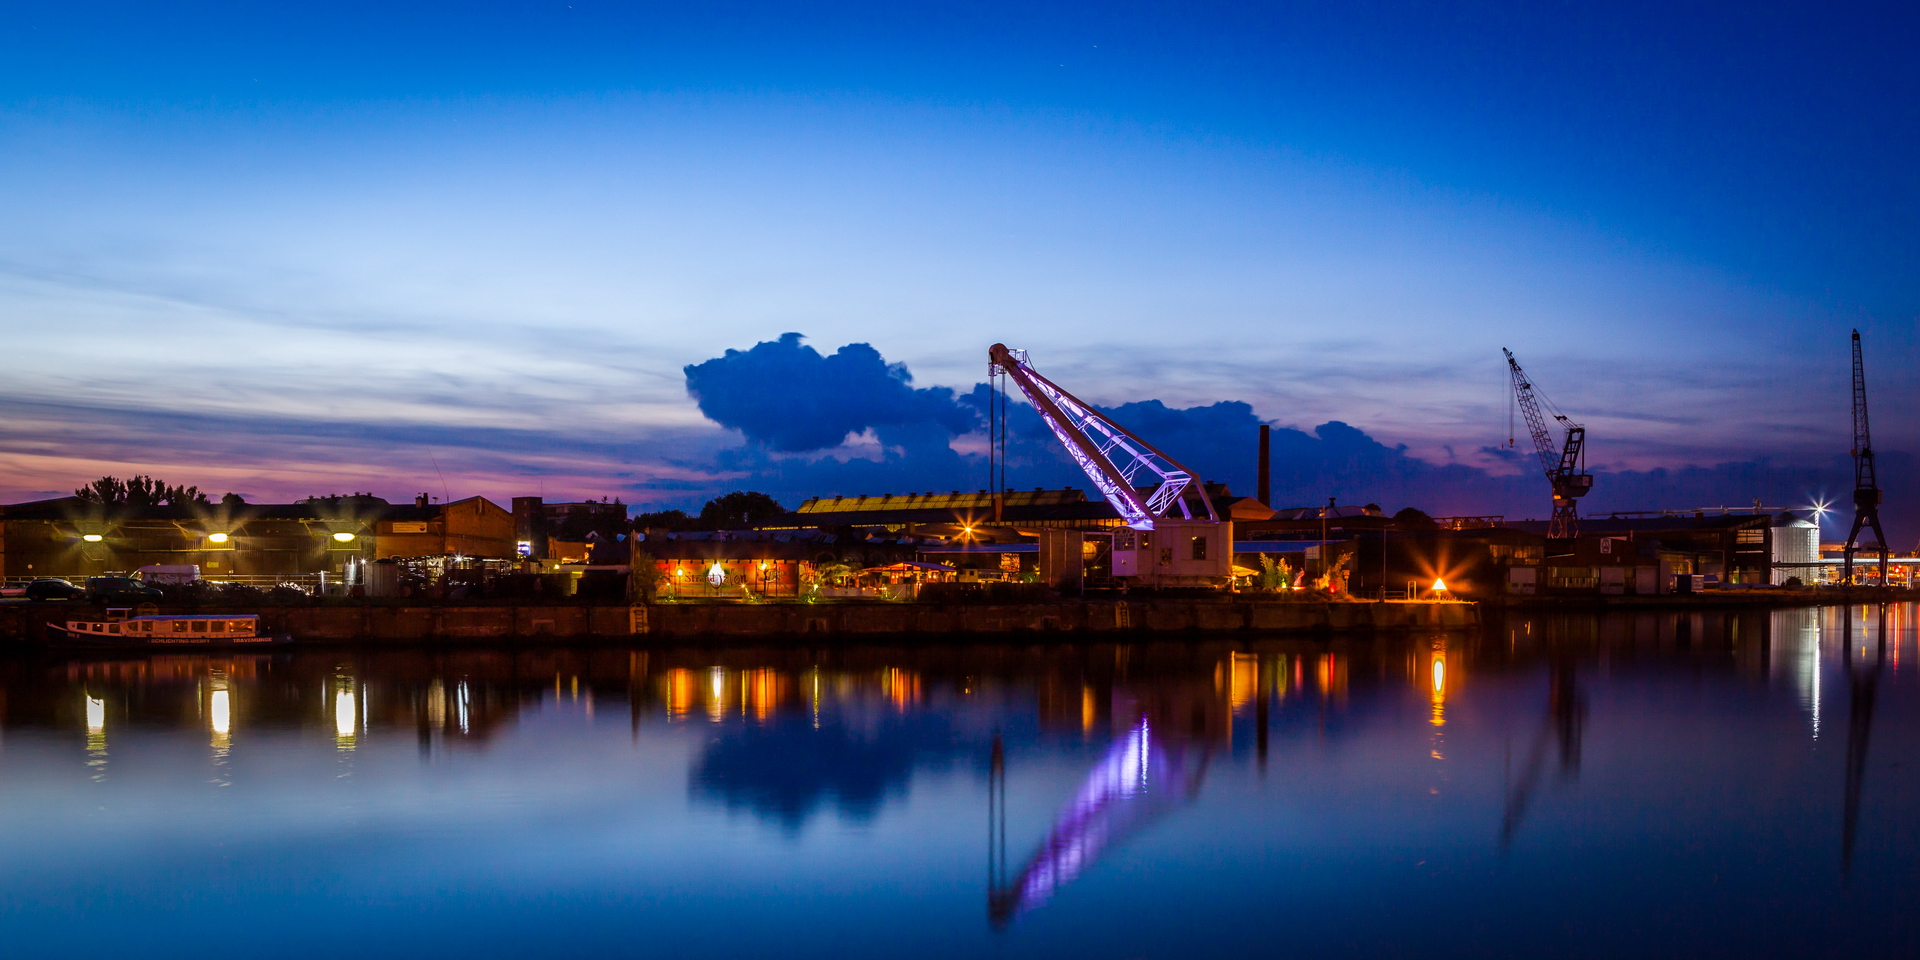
[
  {"x": 1563, "y": 464},
  {"x": 1866, "y": 484}
]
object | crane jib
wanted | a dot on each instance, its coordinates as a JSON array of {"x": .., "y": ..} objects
[{"x": 1111, "y": 455}]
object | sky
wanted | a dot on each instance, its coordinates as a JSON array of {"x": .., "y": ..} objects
[{"x": 303, "y": 249}]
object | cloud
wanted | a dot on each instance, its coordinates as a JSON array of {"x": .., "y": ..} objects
[
  {"x": 920, "y": 429},
  {"x": 787, "y": 397}
]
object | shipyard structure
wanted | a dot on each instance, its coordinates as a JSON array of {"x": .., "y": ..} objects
[{"x": 1150, "y": 525}]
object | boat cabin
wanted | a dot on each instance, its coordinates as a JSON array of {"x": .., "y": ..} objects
[{"x": 171, "y": 628}]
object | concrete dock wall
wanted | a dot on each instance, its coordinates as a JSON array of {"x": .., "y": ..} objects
[{"x": 447, "y": 623}]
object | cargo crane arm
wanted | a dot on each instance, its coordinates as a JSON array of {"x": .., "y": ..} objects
[
  {"x": 1113, "y": 457},
  {"x": 1564, "y": 464},
  {"x": 1543, "y": 444},
  {"x": 1863, "y": 471}
]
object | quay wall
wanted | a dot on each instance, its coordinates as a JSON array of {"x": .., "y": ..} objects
[{"x": 686, "y": 621}]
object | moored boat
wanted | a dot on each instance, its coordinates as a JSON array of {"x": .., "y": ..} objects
[{"x": 165, "y": 630}]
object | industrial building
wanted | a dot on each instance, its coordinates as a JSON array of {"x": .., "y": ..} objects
[{"x": 331, "y": 536}]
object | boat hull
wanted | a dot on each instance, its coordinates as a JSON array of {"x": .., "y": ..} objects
[{"x": 60, "y": 636}]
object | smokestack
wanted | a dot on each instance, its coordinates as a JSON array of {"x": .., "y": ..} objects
[{"x": 1265, "y": 492}]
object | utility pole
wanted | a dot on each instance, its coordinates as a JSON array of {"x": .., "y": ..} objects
[{"x": 1325, "y": 568}]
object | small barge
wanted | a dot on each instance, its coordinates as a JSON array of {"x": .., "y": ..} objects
[{"x": 164, "y": 630}]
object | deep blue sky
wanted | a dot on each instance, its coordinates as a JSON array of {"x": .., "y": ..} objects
[{"x": 277, "y": 247}]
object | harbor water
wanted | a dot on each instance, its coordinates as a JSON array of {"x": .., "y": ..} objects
[{"x": 1692, "y": 784}]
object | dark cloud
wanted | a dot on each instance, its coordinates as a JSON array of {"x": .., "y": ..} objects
[{"x": 787, "y": 397}]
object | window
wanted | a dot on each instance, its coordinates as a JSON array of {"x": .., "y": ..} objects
[
  {"x": 179, "y": 626},
  {"x": 1573, "y": 578},
  {"x": 1750, "y": 536},
  {"x": 1199, "y": 548},
  {"x": 199, "y": 626}
]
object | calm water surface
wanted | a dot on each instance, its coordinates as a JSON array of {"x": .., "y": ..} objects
[{"x": 1635, "y": 785}]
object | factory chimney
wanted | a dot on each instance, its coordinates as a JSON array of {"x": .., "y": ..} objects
[{"x": 1264, "y": 492}]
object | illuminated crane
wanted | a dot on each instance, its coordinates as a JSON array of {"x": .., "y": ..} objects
[
  {"x": 1866, "y": 486},
  {"x": 1117, "y": 461},
  {"x": 1564, "y": 464}
]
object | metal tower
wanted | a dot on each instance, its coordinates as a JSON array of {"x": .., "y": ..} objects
[
  {"x": 1114, "y": 458},
  {"x": 1866, "y": 486},
  {"x": 1564, "y": 465}
]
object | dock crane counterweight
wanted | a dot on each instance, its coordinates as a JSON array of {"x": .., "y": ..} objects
[
  {"x": 1564, "y": 464},
  {"x": 1866, "y": 485}
]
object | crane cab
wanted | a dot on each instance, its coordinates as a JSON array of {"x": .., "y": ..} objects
[{"x": 1175, "y": 553}]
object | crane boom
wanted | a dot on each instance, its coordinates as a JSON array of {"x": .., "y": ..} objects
[
  {"x": 1113, "y": 457},
  {"x": 1562, "y": 463},
  {"x": 1543, "y": 443}
]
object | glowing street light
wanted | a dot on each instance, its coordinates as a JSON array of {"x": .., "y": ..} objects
[
  {"x": 92, "y": 537},
  {"x": 1820, "y": 509},
  {"x": 216, "y": 538},
  {"x": 344, "y": 537}
]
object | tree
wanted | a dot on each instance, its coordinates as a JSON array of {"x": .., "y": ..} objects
[
  {"x": 739, "y": 510},
  {"x": 663, "y": 520},
  {"x": 139, "y": 491},
  {"x": 1412, "y": 518}
]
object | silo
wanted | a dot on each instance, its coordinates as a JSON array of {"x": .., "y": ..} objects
[{"x": 1795, "y": 541}]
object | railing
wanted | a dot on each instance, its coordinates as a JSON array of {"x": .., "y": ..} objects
[{"x": 307, "y": 582}]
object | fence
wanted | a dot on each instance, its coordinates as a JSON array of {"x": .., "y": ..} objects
[{"x": 304, "y": 582}]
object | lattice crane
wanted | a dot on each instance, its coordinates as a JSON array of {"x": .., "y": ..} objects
[
  {"x": 1866, "y": 485},
  {"x": 1119, "y": 463},
  {"x": 1564, "y": 464}
]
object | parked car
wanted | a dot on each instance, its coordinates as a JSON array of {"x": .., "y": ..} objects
[
  {"x": 120, "y": 591},
  {"x": 52, "y": 588}
]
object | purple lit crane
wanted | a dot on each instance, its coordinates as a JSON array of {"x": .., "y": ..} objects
[
  {"x": 1137, "y": 780},
  {"x": 1114, "y": 458}
]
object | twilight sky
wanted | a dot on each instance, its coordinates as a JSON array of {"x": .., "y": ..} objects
[{"x": 304, "y": 249}]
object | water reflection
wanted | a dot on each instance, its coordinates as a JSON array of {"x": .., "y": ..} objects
[
  {"x": 1140, "y": 777},
  {"x": 1546, "y": 766}
]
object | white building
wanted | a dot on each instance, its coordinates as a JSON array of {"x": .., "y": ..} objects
[{"x": 1795, "y": 541}]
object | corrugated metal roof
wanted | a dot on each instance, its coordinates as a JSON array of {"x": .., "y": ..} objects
[{"x": 981, "y": 500}]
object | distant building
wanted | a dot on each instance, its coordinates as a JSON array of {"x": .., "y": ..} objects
[
  {"x": 1731, "y": 547},
  {"x": 70, "y": 537},
  {"x": 1796, "y": 541},
  {"x": 539, "y": 525}
]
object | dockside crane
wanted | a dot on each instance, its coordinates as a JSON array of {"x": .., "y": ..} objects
[
  {"x": 1144, "y": 484},
  {"x": 1564, "y": 464},
  {"x": 1113, "y": 457},
  {"x": 1866, "y": 485}
]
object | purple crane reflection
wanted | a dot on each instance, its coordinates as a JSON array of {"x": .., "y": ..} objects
[{"x": 1139, "y": 778}]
